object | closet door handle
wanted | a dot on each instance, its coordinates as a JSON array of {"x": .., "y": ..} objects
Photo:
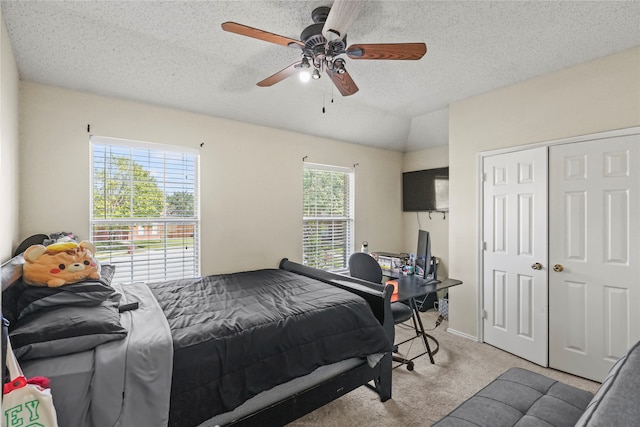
[
  {"x": 536, "y": 266},
  {"x": 558, "y": 268}
]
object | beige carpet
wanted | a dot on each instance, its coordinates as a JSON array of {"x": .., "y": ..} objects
[{"x": 462, "y": 367}]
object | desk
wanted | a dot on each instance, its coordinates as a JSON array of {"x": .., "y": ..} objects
[{"x": 410, "y": 288}]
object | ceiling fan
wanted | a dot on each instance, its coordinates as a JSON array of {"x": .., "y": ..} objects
[{"x": 323, "y": 42}]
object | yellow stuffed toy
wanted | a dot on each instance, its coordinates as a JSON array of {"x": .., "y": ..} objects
[{"x": 59, "y": 264}]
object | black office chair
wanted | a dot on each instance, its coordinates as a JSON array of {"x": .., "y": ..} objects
[{"x": 364, "y": 266}]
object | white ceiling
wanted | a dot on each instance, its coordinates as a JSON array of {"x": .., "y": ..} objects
[{"x": 175, "y": 54}]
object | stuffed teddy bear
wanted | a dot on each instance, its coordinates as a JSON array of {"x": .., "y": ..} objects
[{"x": 60, "y": 264}]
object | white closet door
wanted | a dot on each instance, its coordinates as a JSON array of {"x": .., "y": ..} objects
[
  {"x": 515, "y": 253},
  {"x": 594, "y": 235}
]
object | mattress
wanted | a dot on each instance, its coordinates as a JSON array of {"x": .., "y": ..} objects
[{"x": 70, "y": 377}]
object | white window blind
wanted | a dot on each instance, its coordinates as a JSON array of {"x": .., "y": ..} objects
[
  {"x": 144, "y": 209},
  {"x": 327, "y": 216}
]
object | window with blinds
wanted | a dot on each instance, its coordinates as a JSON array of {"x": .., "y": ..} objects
[
  {"x": 327, "y": 216},
  {"x": 144, "y": 209}
]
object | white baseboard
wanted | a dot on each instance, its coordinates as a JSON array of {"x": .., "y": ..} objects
[{"x": 462, "y": 334}]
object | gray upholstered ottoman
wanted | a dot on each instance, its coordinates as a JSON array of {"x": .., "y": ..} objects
[{"x": 521, "y": 398}]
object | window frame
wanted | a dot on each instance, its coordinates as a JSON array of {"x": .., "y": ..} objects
[
  {"x": 349, "y": 218},
  {"x": 150, "y": 227}
]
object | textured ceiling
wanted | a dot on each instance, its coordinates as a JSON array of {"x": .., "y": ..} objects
[{"x": 175, "y": 54}]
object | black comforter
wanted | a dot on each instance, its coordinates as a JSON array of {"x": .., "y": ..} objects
[{"x": 238, "y": 334}]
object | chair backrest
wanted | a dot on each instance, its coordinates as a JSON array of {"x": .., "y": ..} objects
[
  {"x": 36, "y": 239},
  {"x": 365, "y": 267}
]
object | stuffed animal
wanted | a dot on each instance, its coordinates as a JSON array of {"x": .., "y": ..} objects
[{"x": 59, "y": 264}]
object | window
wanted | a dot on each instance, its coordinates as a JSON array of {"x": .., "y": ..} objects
[
  {"x": 144, "y": 209},
  {"x": 327, "y": 216}
]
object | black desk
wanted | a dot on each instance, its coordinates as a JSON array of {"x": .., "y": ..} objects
[{"x": 410, "y": 288}]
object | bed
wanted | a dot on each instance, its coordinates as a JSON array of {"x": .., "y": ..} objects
[{"x": 248, "y": 348}]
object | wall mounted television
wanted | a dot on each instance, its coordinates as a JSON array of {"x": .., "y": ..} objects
[{"x": 426, "y": 190}]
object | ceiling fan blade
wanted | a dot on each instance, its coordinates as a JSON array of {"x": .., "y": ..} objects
[
  {"x": 340, "y": 18},
  {"x": 281, "y": 75},
  {"x": 343, "y": 82},
  {"x": 243, "y": 30},
  {"x": 387, "y": 51}
]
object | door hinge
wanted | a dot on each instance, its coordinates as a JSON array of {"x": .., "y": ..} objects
[{"x": 485, "y": 315}]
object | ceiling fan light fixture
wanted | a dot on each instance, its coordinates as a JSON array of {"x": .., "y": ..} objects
[
  {"x": 305, "y": 62},
  {"x": 304, "y": 76},
  {"x": 316, "y": 74}
]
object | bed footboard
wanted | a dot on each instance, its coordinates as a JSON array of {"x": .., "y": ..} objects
[{"x": 378, "y": 297}]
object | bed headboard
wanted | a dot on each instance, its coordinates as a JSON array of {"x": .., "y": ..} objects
[
  {"x": 11, "y": 286},
  {"x": 376, "y": 294},
  {"x": 11, "y": 271}
]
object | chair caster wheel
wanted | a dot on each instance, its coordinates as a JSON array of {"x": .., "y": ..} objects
[{"x": 410, "y": 366}]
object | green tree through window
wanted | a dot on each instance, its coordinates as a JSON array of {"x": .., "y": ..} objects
[
  {"x": 180, "y": 204},
  {"x": 123, "y": 189}
]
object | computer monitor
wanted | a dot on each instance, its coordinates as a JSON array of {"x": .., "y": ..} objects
[{"x": 423, "y": 256}]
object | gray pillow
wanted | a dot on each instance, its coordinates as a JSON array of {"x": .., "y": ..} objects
[
  {"x": 65, "y": 330},
  {"x": 86, "y": 293}
]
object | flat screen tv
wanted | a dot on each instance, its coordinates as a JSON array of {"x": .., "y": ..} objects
[{"x": 426, "y": 190}]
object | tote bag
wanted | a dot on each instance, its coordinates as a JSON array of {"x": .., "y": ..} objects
[{"x": 25, "y": 404}]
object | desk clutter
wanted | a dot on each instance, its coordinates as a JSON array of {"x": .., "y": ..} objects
[
  {"x": 404, "y": 264},
  {"x": 391, "y": 262}
]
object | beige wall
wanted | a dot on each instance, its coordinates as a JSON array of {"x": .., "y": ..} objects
[
  {"x": 251, "y": 176},
  {"x": 438, "y": 224},
  {"x": 596, "y": 96},
  {"x": 8, "y": 146}
]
